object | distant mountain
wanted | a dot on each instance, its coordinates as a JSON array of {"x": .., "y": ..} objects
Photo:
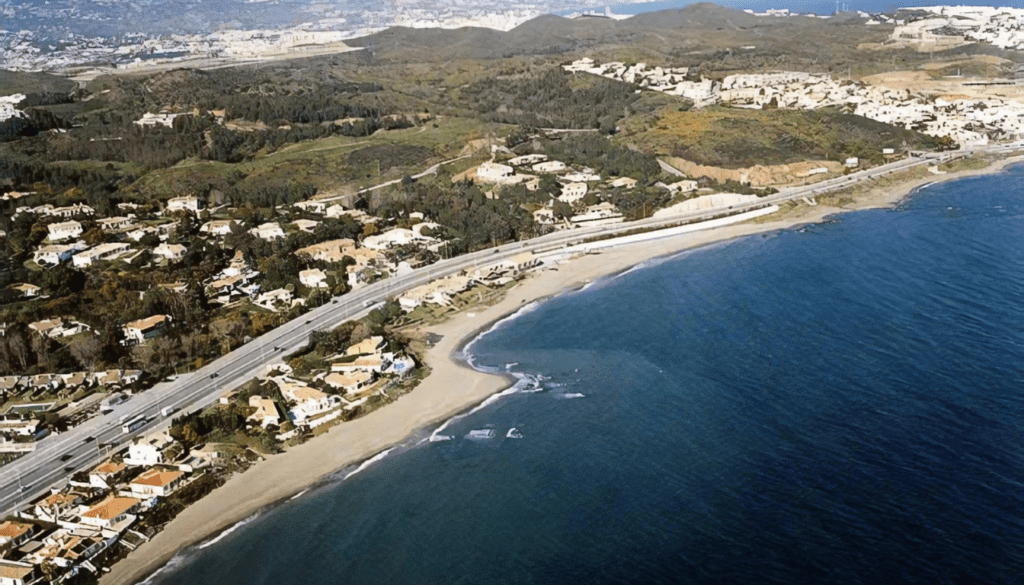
[{"x": 695, "y": 27}]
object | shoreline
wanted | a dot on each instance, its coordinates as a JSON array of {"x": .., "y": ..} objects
[{"x": 453, "y": 386}]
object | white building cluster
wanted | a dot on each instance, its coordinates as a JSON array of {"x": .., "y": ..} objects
[
  {"x": 1002, "y": 27},
  {"x": 965, "y": 121}
]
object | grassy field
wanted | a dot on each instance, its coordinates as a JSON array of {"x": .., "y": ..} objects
[
  {"x": 325, "y": 163},
  {"x": 737, "y": 138}
]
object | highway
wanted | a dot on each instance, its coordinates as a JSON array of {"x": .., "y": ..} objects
[{"x": 58, "y": 456}]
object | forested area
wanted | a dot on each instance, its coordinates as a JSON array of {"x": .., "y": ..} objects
[{"x": 546, "y": 99}]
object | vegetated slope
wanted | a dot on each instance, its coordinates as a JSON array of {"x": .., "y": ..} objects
[
  {"x": 39, "y": 88},
  {"x": 689, "y": 36},
  {"x": 739, "y": 138}
]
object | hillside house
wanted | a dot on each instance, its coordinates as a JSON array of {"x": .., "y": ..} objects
[
  {"x": 170, "y": 252},
  {"x": 394, "y": 238},
  {"x": 149, "y": 450},
  {"x": 53, "y": 254},
  {"x": 313, "y": 278},
  {"x": 69, "y": 211},
  {"x": 108, "y": 251},
  {"x": 114, "y": 224},
  {"x": 306, "y": 225},
  {"x": 27, "y": 290},
  {"x": 527, "y": 159},
  {"x": 187, "y": 204},
  {"x": 684, "y": 186},
  {"x": 624, "y": 183},
  {"x": 56, "y": 328},
  {"x": 573, "y": 192},
  {"x": 493, "y": 172},
  {"x": 329, "y": 251},
  {"x": 268, "y": 231},
  {"x": 551, "y": 166},
  {"x": 137, "y": 332},
  {"x": 64, "y": 230},
  {"x": 217, "y": 227}
]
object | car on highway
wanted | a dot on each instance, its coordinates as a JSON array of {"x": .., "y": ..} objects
[
  {"x": 66, "y": 456},
  {"x": 214, "y": 375},
  {"x": 88, "y": 439}
]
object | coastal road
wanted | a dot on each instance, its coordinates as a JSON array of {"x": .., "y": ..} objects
[{"x": 56, "y": 457}]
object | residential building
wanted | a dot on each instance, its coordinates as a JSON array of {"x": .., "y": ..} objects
[
  {"x": 141, "y": 330},
  {"x": 313, "y": 278},
  {"x": 268, "y": 231},
  {"x": 349, "y": 383},
  {"x": 64, "y": 230},
  {"x": 149, "y": 450},
  {"x": 170, "y": 252},
  {"x": 107, "y": 251},
  {"x": 624, "y": 183},
  {"x": 329, "y": 251},
  {"x": 156, "y": 482},
  {"x": 54, "y": 254},
  {"x": 306, "y": 225},
  {"x": 493, "y": 172},
  {"x": 58, "y": 506},
  {"x": 573, "y": 192},
  {"x": 189, "y": 204},
  {"x": 55, "y": 328},
  {"x": 110, "y": 512},
  {"x": 27, "y": 290},
  {"x": 368, "y": 346},
  {"x": 103, "y": 476},
  {"x": 70, "y": 210},
  {"x": 394, "y": 238},
  {"x": 15, "y": 533},
  {"x": 113, "y": 224},
  {"x": 266, "y": 411},
  {"x": 308, "y": 401},
  {"x": 16, "y": 573},
  {"x": 527, "y": 159},
  {"x": 552, "y": 166},
  {"x": 217, "y": 227},
  {"x": 369, "y": 363}
]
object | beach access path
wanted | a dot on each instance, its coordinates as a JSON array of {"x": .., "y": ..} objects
[{"x": 451, "y": 388}]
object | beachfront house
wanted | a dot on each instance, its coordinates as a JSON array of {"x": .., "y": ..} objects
[
  {"x": 266, "y": 412},
  {"x": 156, "y": 482},
  {"x": 112, "y": 513}
]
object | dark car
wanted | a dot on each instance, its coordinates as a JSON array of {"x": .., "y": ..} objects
[
  {"x": 89, "y": 439},
  {"x": 214, "y": 375},
  {"x": 66, "y": 456}
]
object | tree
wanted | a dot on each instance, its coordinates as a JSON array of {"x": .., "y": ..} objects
[{"x": 86, "y": 349}]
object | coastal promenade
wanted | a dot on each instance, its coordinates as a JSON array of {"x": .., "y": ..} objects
[{"x": 60, "y": 455}]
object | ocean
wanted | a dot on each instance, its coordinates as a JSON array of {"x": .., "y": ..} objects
[{"x": 836, "y": 403}]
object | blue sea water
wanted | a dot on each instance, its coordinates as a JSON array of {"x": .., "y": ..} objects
[{"x": 838, "y": 403}]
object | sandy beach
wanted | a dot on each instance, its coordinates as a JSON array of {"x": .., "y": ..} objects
[{"x": 451, "y": 388}]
